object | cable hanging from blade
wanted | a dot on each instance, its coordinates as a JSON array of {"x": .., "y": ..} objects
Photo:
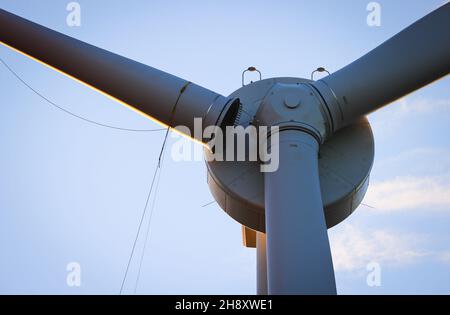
[
  {"x": 69, "y": 112},
  {"x": 149, "y": 224},
  {"x": 158, "y": 168}
]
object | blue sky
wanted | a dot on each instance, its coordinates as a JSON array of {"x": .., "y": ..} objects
[{"x": 74, "y": 192}]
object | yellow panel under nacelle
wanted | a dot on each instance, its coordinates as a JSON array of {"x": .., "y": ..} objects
[{"x": 248, "y": 237}]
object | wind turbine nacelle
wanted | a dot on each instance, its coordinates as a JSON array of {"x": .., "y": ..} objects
[{"x": 345, "y": 162}]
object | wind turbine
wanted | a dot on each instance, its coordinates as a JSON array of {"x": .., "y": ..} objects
[{"x": 325, "y": 146}]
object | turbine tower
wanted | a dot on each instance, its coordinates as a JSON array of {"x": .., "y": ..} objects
[{"x": 325, "y": 146}]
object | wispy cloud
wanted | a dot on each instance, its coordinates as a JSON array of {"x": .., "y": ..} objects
[
  {"x": 429, "y": 159},
  {"x": 410, "y": 192},
  {"x": 421, "y": 181},
  {"x": 406, "y": 106},
  {"x": 388, "y": 119},
  {"x": 353, "y": 248},
  {"x": 423, "y": 185},
  {"x": 444, "y": 257}
]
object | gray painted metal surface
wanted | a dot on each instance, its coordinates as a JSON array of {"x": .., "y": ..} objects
[
  {"x": 314, "y": 187},
  {"x": 158, "y": 95},
  {"x": 413, "y": 58},
  {"x": 298, "y": 252},
  {"x": 345, "y": 162}
]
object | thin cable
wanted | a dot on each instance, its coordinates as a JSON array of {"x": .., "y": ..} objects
[
  {"x": 209, "y": 203},
  {"x": 147, "y": 234},
  {"x": 366, "y": 205},
  {"x": 137, "y": 234},
  {"x": 143, "y": 215},
  {"x": 162, "y": 150},
  {"x": 69, "y": 112},
  {"x": 182, "y": 90}
]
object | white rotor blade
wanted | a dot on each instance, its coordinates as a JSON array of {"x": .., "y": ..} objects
[
  {"x": 160, "y": 96},
  {"x": 413, "y": 58}
]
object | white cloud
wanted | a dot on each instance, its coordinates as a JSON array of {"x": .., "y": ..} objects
[
  {"x": 410, "y": 192},
  {"x": 423, "y": 105},
  {"x": 410, "y": 105},
  {"x": 444, "y": 257},
  {"x": 353, "y": 248},
  {"x": 425, "y": 156},
  {"x": 428, "y": 190},
  {"x": 422, "y": 181},
  {"x": 389, "y": 119}
]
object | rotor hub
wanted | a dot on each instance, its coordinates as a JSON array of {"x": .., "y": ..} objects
[
  {"x": 294, "y": 106},
  {"x": 345, "y": 158}
]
